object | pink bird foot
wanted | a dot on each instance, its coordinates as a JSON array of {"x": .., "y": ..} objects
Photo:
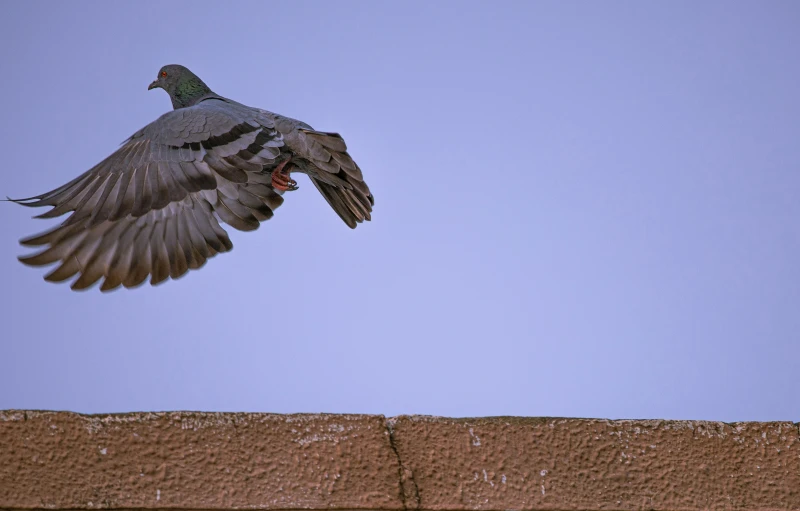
[{"x": 280, "y": 177}]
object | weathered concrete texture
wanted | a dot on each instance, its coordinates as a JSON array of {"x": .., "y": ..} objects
[
  {"x": 196, "y": 460},
  {"x": 214, "y": 461},
  {"x": 563, "y": 464}
]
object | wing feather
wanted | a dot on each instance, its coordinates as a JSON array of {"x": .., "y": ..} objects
[{"x": 151, "y": 208}]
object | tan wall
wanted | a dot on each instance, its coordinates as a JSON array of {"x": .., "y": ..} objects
[{"x": 209, "y": 461}]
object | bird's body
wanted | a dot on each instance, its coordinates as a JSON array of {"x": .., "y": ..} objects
[{"x": 151, "y": 209}]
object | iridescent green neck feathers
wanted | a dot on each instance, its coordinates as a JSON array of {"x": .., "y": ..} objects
[{"x": 188, "y": 91}]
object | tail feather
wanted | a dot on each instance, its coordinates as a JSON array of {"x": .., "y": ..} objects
[
  {"x": 352, "y": 205},
  {"x": 337, "y": 177}
]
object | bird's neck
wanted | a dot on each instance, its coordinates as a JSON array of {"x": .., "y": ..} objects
[{"x": 189, "y": 93}]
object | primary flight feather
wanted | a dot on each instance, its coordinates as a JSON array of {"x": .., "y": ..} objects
[{"x": 152, "y": 208}]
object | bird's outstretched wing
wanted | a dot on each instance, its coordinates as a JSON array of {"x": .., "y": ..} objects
[{"x": 152, "y": 207}]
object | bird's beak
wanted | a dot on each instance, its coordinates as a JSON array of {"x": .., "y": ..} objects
[{"x": 153, "y": 85}]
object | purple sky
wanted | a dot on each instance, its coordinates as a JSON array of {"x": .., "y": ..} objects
[{"x": 583, "y": 209}]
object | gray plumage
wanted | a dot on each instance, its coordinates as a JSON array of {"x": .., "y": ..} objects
[{"x": 152, "y": 208}]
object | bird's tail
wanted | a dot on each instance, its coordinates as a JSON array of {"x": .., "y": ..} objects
[
  {"x": 353, "y": 204},
  {"x": 340, "y": 181}
]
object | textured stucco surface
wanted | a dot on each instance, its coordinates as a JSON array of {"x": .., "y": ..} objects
[
  {"x": 196, "y": 460},
  {"x": 210, "y": 461},
  {"x": 559, "y": 464}
]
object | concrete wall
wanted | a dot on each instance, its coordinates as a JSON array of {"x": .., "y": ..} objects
[{"x": 214, "y": 461}]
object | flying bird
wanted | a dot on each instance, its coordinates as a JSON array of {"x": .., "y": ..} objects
[{"x": 153, "y": 207}]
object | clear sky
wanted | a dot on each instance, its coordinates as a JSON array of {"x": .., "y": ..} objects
[{"x": 586, "y": 209}]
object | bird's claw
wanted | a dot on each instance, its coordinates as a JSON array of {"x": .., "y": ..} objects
[
  {"x": 280, "y": 177},
  {"x": 283, "y": 183}
]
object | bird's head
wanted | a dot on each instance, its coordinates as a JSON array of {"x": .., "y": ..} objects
[
  {"x": 169, "y": 77},
  {"x": 183, "y": 86}
]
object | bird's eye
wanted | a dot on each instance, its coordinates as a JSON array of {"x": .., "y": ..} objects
[{"x": 163, "y": 74}]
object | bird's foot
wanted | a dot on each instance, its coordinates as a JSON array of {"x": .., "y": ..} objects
[
  {"x": 280, "y": 177},
  {"x": 283, "y": 183}
]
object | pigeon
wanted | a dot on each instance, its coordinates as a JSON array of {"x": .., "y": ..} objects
[{"x": 153, "y": 207}]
